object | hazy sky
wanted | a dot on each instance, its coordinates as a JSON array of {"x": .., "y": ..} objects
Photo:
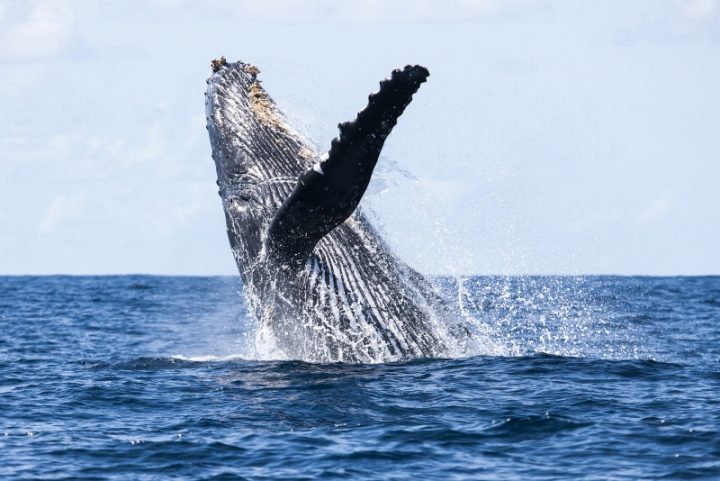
[{"x": 552, "y": 136}]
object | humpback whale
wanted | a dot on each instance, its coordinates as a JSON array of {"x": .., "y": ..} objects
[{"x": 323, "y": 284}]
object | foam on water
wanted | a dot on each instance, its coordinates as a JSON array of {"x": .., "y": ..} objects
[{"x": 211, "y": 358}]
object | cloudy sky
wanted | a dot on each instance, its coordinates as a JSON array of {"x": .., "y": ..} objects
[{"x": 552, "y": 136}]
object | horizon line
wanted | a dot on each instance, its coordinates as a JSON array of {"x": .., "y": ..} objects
[{"x": 139, "y": 274}]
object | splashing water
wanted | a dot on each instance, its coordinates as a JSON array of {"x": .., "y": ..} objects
[
  {"x": 562, "y": 316},
  {"x": 507, "y": 316}
]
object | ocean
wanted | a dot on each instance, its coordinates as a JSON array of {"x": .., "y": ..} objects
[{"x": 144, "y": 378}]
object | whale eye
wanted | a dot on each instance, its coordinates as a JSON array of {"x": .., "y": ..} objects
[{"x": 240, "y": 203}]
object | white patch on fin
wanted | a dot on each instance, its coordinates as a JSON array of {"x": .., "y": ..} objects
[{"x": 318, "y": 167}]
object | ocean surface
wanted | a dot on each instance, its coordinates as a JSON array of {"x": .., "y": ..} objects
[{"x": 141, "y": 377}]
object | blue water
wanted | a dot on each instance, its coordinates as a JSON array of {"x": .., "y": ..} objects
[{"x": 137, "y": 377}]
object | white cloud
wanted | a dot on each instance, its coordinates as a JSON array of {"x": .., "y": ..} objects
[
  {"x": 63, "y": 209},
  {"x": 698, "y": 8},
  {"x": 41, "y": 29},
  {"x": 153, "y": 148},
  {"x": 655, "y": 212},
  {"x": 16, "y": 79},
  {"x": 373, "y": 10}
]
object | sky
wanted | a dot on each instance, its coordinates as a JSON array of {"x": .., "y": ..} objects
[{"x": 552, "y": 137}]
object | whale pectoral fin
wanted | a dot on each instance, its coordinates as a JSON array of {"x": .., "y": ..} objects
[{"x": 326, "y": 195}]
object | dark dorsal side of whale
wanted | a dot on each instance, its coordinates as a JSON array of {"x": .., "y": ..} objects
[{"x": 327, "y": 194}]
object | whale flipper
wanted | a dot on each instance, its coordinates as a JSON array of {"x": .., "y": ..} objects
[{"x": 327, "y": 194}]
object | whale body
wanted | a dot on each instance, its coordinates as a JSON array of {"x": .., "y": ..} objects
[{"x": 323, "y": 284}]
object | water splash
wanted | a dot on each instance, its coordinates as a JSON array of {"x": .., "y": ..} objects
[
  {"x": 506, "y": 316},
  {"x": 557, "y": 315}
]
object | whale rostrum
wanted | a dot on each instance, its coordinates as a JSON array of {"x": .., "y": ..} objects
[{"x": 323, "y": 284}]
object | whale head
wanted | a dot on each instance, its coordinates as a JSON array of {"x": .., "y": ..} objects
[
  {"x": 258, "y": 156},
  {"x": 252, "y": 141}
]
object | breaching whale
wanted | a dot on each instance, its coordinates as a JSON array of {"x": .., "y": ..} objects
[{"x": 323, "y": 284}]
